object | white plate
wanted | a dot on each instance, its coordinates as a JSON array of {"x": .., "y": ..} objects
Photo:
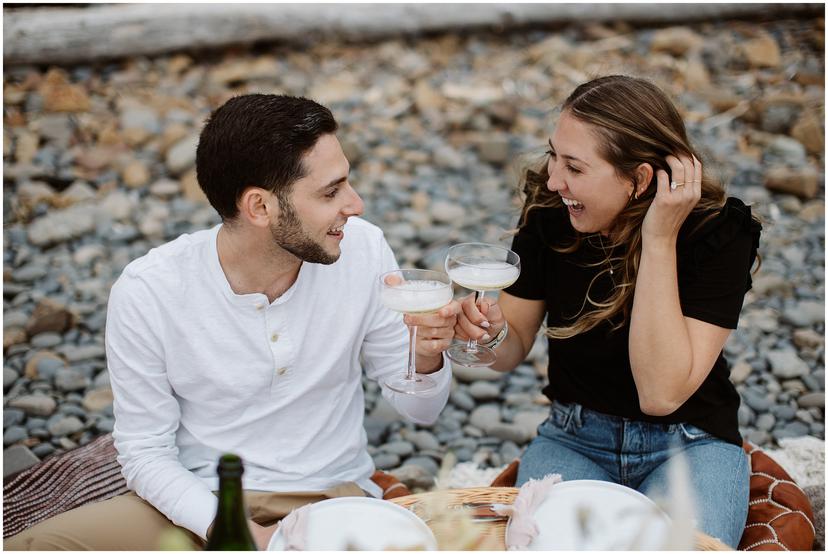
[
  {"x": 363, "y": 523},
  {"x": 618, "y": 518}
]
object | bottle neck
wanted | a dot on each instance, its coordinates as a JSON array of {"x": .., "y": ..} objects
[{"x": 231, "y": 510}]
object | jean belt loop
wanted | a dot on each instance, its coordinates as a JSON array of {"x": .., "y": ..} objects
[{"x": 576, "y": 415}]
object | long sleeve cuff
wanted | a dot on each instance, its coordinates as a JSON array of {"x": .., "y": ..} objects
[{"x": 196, "y": 510}]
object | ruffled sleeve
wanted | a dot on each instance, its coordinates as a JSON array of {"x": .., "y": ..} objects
[{"x": 714, "y": 262}]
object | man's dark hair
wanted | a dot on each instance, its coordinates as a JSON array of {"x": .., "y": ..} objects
[{"x": 257, "y": 140}]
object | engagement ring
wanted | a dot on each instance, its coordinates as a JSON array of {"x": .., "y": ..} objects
[{"x": 674, "y": 185}]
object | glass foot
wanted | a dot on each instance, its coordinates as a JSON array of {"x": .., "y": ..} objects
[
  {"x": 481, "y": 356},
  {"x": 418, "y": 385}
]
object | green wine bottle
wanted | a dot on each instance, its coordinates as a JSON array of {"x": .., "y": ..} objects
[{"x": 229, "y": 529}]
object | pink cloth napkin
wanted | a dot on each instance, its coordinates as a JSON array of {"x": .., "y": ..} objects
[
  {"x": 522, "y": 526},
  {"x": 295, "y": 528}
]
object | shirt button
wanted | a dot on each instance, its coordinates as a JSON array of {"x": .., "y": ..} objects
[
  {"x": 260, "y": 307},
  {"x": 281, "y": 371},
  {"x": 274, "y": 337}
]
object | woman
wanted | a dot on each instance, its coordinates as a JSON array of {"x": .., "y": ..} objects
[{"x": 640, "y": 266}]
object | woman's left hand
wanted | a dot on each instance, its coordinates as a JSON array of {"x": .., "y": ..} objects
[{"x": 674, "y": 199}]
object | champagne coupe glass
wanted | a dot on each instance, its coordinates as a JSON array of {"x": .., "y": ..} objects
[
  {"x": 414, "y": 291},
  {"x": 479, "y": 267}
]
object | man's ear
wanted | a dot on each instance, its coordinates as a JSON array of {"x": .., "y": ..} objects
[
  {"x": 258, "y": 206},
  {"x": 641, "y": 179}
]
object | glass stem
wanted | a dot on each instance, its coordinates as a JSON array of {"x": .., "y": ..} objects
[
  {"x": 471, "y": 345},
  {"x": 412, "y": 352}
]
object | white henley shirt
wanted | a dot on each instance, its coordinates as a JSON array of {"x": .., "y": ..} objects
[{"x": 198, "y": 370}]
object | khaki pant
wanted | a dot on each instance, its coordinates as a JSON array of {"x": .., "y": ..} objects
[{"x": 128, "y": 522}]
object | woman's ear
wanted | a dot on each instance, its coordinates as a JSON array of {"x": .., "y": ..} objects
[
  {"x": 256, "y": 206},
  {"x": 642, "y": 177}
]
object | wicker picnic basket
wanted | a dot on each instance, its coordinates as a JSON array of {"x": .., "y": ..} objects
[{"x": 495, "y": 531}]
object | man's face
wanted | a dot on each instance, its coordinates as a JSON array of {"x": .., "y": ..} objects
[{"x": 310, "y": 223}]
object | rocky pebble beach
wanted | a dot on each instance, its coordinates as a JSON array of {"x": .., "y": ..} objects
[{"x": 99, "y": 168}]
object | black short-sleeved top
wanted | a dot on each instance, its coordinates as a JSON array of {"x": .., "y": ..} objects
[{"x": 593, "y": 368}]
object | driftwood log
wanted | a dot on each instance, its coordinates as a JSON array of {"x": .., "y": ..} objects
[{"x": 73, "y": 35}]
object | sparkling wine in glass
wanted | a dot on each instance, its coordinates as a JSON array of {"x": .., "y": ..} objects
[
  {"x": 479, "y": 267},
  {"x": 414, "y": 291}
]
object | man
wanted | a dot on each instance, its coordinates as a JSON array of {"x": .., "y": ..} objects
[{"x": 251, "y": 337}]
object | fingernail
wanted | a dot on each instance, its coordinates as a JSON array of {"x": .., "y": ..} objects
[
  {"x": 484, "y": 324},
  {"x": 486, "y": 338}
]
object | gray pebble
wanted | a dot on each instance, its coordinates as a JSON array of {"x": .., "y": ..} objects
[
  {"x": 13, "y": 434},
  {"x": 70, "y": 379},
  {"x": 81, "y": 353},
  {"x": 757, "y": 437},
  {"x": 386, "y": 461},
  {"x": 105, "y": 425},
  {"x": 746, "y": 415},
  {"x": 786, "y": 364},
  {"x": 509, "y": 451},
  {"x": 805, "y": 314},
  {"x": 12, "y": 416},
  {"x": 765, "y": 422},
  {"x": 40, "y": 433},
  {"x": 509, "y": 432},
  {"x": 9, "y": 377},
  {"x": 757, "y": 401},
  {"x": 400, "y": 448},
  {"x": 484, "y": 390},
  {"x": 462, "y": 400},
  {"x": 812, "y": 400},
  {"x": 485, "y": 417},
  {"x": 423, "y": 440},
  {"x": 814, "y": 383},
  {"x": 782, "y": 412},
  {"x": 805, "y": 416},
  {"x": 792, "y": 429},
  {"x": 46, "y": 340},
  {"x": 47, "y": 367},
  {"x": 35, "y": 404},
  {"x": 35, "y": 423},
  {"x": 424, "y": 462},
  {"x": 65, "y": 426},
  {"x": 42, "y": 450}
]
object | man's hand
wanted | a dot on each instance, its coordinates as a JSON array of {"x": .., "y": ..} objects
[
  {"x": 261, "y": 534},
  {"x": 434, "y": 334}
]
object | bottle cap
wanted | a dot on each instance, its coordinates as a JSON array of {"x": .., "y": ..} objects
[{"x": 229, "y": 464}]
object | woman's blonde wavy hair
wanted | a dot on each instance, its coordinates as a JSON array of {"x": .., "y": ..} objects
[{"x": 635, "y": 123}]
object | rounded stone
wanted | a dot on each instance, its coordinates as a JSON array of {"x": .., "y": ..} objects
[
  {"x": 35, "y": 404},
  {"x": 812, "y": 400},
  {"x": 462, "y": 400},
  {"x": 400, "y": 448},
  {"x": 483, "y": 390},
  {"x": 9, "y": 377},
  {"x": 425, "y": 462},
  {"x": 65, "y": 426},
  {"x": 48, "y": 339},
  {"x": 386, "y": 461},
  {"x": 97, "y": 400},
  {"x": 43, "y": 449},
  {"x": 70, "y": 379},
  {"x": 14, "y": 434},
  {"x": 424, "y": 440},
  {"x": 12, "y": 416}
]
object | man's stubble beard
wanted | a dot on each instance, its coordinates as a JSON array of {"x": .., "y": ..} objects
[{"x": 289, "y": 235}]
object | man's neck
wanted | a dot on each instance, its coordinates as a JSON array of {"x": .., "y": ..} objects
[{"x": 250, "y": 268}]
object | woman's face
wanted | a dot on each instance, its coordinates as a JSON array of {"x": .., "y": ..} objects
[{"x": 588, "y": 184}]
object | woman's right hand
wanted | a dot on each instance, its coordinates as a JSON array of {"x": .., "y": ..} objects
[{"x": 481, "y": 321}]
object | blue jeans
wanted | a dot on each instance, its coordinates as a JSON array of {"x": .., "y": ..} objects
[{"x": 580, "y": 443}]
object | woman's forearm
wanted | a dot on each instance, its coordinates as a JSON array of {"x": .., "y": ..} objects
[
  {"x": 661, "y": 356},
  {"x": 510, "y": 353}
]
